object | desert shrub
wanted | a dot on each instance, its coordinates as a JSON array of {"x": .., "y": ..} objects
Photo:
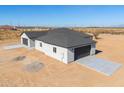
[
  {"x": 97, "y": 31},
  {"x": 96, "y": 34},
  {"x": 0, "y": 38}
]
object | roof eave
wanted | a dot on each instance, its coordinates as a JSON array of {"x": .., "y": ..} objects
[{"x": 80, "y": 45}]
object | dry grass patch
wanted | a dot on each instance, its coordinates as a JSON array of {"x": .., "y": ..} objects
[{"x": 97, "y": 31}]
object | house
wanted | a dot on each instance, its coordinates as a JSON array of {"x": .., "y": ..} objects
[
  {"x": 7, "y": 27},
  {"x": 62, "y": 44}
]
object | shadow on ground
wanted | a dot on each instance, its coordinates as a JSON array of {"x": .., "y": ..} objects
[{"x": 98, "y": 51}]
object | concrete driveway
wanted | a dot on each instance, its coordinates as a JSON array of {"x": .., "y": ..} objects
[
  {"x": 100, "y": 65},
  {"x": 14, "y": 46}
]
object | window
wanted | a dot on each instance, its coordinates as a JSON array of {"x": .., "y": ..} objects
[
  {"x": 54, "y": 49},
  {"x": 40, "y": 44}
]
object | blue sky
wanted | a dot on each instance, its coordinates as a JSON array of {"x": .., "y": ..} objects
[{"x": 62, "y": 15}]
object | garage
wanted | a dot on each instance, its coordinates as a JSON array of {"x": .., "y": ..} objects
[
  {"x": 81, "y": 52},
  {"x": 25, "y": 41}
]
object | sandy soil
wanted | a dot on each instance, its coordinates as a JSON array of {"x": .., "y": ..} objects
[{"x": 56, "y": 73}]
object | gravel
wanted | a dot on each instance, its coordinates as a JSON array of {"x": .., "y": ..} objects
[{"x": 34, "y": 67}]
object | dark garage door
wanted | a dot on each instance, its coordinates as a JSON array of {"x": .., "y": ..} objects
[
  {"x": 25, "y": 41},
  {"x": 81, "y": 52}
]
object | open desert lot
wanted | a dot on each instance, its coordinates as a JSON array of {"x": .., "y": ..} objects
[{"x": 55, "y": 73}]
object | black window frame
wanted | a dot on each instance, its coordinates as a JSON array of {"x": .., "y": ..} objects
[
  {"x": 41, "y": 45},
  {"x": 54, "y": 49}
]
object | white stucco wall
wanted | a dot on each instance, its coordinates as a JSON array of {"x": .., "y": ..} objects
[
  {"x": 70, "y": 54},
  {"x": 65, "y": 55},
  {"x": 93, "y": 49},
  {"x": 60, "y": 55},
  {"x": 31, "y": 43}
]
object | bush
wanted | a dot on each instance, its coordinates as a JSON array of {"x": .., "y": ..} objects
[{"x": 96, "y": 34}]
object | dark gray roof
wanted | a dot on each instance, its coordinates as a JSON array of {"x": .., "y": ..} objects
[
  {"x": 33, "y": 35},
  {"x": 66, "y": 38}
]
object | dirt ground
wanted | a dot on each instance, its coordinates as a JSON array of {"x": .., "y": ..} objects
[{"x": 56, "y": 73}]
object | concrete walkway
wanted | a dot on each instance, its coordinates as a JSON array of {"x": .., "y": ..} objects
[
  {"x": 13, "y": 46},
  {"x": 100, "y": 65}
]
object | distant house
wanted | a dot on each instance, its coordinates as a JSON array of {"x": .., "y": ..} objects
[
  {"x": 62, "y": 44},
  {"x": 7, "y": 27}
]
